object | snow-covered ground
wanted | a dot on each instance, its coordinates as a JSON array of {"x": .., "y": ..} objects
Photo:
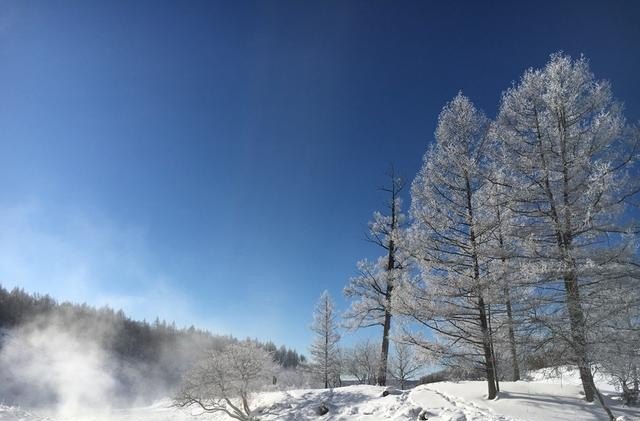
[{"x": 548, "y": 396}]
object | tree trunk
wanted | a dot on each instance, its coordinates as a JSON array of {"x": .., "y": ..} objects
[
  {"x": 565, "y": 239},
  {"x": 488, "y": 355},
  {"x": 578, "y": 337},
  {"x": 636, "y": 387},
  {"x": 507, "y": 294},
  {"x": 627, "y": 393},
  {"x": 512, "y": 340},
  {"x": 486, "y": 342},
  {"x": 601, "y": 400},
  {"x": 384, "y": 354},
  {"x": 493, "y": 351},
  {"x": 391, "y": 264}
]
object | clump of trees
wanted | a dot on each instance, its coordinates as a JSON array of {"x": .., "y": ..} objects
[
  {"x": 520, "y": 235},
  {"x": 285, "y": 357},
  {"x": 520, "y": 249}
]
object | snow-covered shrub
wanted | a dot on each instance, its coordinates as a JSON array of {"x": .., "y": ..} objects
[{"x": 224, "y": 381}]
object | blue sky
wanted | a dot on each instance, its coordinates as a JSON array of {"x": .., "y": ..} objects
[{"x": 216, "y": 162}]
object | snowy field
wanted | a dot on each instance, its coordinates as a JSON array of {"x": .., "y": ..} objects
[{"x": 546, "y": 397}]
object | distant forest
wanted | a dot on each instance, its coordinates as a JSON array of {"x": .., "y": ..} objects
[{"x": 146, "y": 359}]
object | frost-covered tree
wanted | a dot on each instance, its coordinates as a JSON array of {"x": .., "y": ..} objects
[
  {"x": 224, "y": 380},
  {"x": 371, "y": 290},
  {"x": 404, "y": 364},
  {"x": 324, "y": 350},
  {"x": 362, "y": 361},
  {"x": 449, "y": 240},
  {"x": 569, "y": 157}
]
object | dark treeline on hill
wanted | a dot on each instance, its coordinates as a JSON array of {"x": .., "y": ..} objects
[
  {"x": 286, "y": 357},
  {"x": 146, "y": 360}
]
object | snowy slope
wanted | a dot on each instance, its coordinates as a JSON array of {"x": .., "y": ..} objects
[
  {"x": 541, "y": 399},
  {"x": 532, "y": 401}
]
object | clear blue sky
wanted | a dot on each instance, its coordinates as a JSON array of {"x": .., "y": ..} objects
[{"x": 216, "y": 162}]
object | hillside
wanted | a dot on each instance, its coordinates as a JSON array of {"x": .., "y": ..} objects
[{"x": 113, "y": 357}]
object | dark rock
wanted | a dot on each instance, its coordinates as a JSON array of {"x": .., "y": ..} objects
[
  {"x": 322, "y": 409},
  {"x": 391, "y": 391}
]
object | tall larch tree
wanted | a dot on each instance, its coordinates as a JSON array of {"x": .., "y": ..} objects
[
  {"x": 570, "y": 159},
  {"x": 324, "y": 349},
  {"x": 449, "y": 240},
  {"x": 371, "y": 291}
]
